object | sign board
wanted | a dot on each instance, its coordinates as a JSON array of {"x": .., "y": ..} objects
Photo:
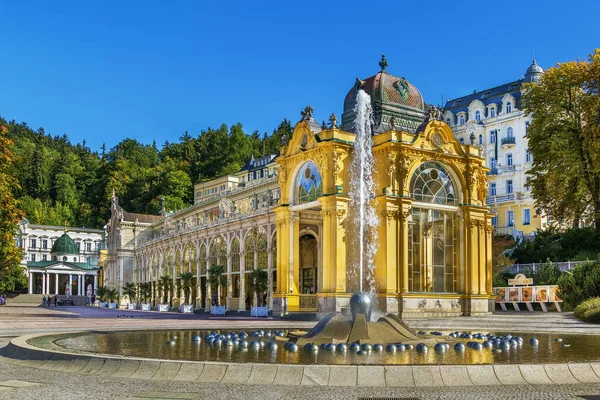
[
  {"x": 528, "y": 294},
  {"x": 520, "y": 280}
]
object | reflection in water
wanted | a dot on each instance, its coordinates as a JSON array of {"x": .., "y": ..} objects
[{"x": 154, "y": 345}]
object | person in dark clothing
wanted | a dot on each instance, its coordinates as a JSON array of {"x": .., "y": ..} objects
[{"x": 55, "y": 296}]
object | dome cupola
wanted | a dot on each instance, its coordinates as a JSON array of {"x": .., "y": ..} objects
[
  {"x": 397, "y": 103},
  {"x": 64, "y": 245},
  {"x": 534, "y": 72}
]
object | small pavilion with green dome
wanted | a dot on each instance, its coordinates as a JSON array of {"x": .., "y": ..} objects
[{"x": 64, "y": 273}]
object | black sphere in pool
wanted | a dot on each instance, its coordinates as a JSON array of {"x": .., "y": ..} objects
[{"x": 361, "y": 303}]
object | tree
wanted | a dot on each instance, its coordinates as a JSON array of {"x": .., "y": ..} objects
[
  {"x": 500, "y": 245},
  {"x": 101, "y": 293},
  {"x": 217, "y": 278},
  {"x": 130, "y": 290},
  {"x": 186, "y": 284},
  {"x": 145, "y": 290},
  {"x": 259, "y": 283},
  {"x": 166, "y": 285},
  {"x": 564, "y": 139},
  {"x": 11, "y": 273},
  {"x": 112, "y": 294}
]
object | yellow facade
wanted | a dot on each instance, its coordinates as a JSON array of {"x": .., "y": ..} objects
[{"x": 407, "y": 276}]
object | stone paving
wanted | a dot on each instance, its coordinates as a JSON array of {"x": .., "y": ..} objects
[{"x": 89, "y": 378}]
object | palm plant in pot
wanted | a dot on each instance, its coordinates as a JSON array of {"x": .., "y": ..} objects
[
  {"x": 130, "y": 291},
  {"x": 187, "y": 279},
  {"x": 101, "y": 294},
  {"x": 217, "y": 279},
  {"x": 259, "y": 283},
  {"x": 166, "y": 286},
  {"x": 112, "y": 294},
  {"x": 145, "y": 294}
]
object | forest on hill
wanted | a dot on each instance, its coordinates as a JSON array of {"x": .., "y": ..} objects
[{"x": 64, "y": 182}]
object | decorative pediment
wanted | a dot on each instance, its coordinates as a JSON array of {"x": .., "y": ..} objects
[
  {"x": 303, "y": 139},
  {"x": 438, "y": 136}
]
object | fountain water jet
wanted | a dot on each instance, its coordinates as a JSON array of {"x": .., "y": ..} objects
[{"x": 362, "y": 189}]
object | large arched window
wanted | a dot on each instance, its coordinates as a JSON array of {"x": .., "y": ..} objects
[
  {"x": 431, "y": 183},
  {"x": 235, "y": 255},
  {"x": 203, "y": 260},
  {"x": 309, "y": 184},
  {"x": 218, "y": 252},
  {"x": 508, "y": 107},
  {"x": 189, "y": 258},
  {"x": 477, "y": 115}
]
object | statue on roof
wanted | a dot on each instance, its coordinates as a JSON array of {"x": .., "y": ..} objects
[
  {"x": 307, "y": 114},
  {"x": 383, "y": 63},
  {"x": 333, "y": 120},
  {"x": 434, "y": 113}
]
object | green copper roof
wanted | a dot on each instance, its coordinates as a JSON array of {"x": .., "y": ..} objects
[
  {"x": 50, "y": 263},
  {"x": 64, "y": 245}
]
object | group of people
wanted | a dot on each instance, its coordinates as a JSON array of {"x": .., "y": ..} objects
[{"x": 47, "y": 301}]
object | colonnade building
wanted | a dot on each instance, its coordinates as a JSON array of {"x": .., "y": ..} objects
[
  {"x": 493, "y": 120},
  {"x": 295, "y": 221}
]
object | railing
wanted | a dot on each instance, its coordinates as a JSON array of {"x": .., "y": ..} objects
[
  {"x": 500, "y": 199},
  {"x": 532, "y": 267},
  {"x": 508, "y": 140},
  {"x": 509, "y": 230},
  {"x": 493, "y": 171},
  {"x": 308, "y": 302}
]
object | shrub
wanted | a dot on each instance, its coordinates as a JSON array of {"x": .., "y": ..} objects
[
  {"x": 579, "y": 284},
  {"x": 545, "y": 274},
  {"x": 589, "y": 310}
]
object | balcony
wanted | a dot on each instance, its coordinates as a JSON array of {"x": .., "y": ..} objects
[
  {"x": 508, "y": 141},
  {"x": 500, "y": 199},
  {"x": 493, "y": 171}
]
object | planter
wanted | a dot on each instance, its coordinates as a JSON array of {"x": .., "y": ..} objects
[
  {"x": 259, "y": 311},
  {"x": 187, "y": 308},
  {"x": 102, "y": 304},
  {"x": 146, "y": 307},
  {"x": 163, "y": 307},
  {"x": 112, "y": 306},
  {"x": 132, "y": 306}
]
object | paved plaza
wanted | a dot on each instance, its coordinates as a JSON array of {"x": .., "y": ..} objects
[{"x": 23, "y": 382}]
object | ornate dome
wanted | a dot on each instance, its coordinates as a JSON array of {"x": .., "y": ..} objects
[
  {"x": 64, "y": 245},
  {"x": 534, "y": 72},
  {"x": 396, "y": 102}
]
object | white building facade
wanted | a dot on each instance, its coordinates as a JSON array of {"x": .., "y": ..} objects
[{"x": 494, "y": 120}]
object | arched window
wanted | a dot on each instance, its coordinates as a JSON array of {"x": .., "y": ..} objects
[
  {"x": 492, "y": 112},
  {"x": 309, "y": 184},
  {"x": 235, "y": 255},
  {"x": 169, "y": 262},
  {"x": 261, "y": 249},
  {"x": 431, "y": 183},
  {"x": 189, "y": 259},
  {"x": 508, "y": 107},
  {"x": 249, "y": 247},
  {"x": 218, "y": 252},
  {"x": 510, "y": 132},
  {"x": 480, "y": 139},
  {"x": 461, "y": 120},
  {"x": 477, "y": 115},
  {"x": 202, "y": 260}
]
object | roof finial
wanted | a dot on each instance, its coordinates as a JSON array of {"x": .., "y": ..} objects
[
  {"x": 65, "y": 222},
  {"x": 383, "y": 63}
]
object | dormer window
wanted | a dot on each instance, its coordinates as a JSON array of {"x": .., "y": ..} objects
[
  {"x": 508, "y": 107},
  {"x": 512, "y": 87},
  {"x": 492, "y": 112},
  {"x": 477, "y": 115},
  {"x": 461, "y": 120},
  {"x": 486, "y": 94},
  {"x": 457, "y": 102}
]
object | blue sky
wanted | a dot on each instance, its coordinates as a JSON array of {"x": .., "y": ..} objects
[{"x": 150, "y": 70}]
